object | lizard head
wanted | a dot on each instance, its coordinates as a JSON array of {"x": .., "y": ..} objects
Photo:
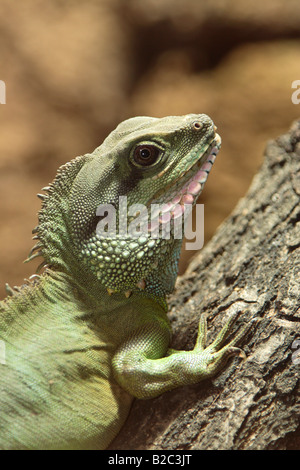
[{"x": 118, "y": 207}]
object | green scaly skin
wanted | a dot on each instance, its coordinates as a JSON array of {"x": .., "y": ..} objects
[{"x": 91, "y": 332}]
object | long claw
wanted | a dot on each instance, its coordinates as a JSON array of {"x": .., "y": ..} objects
[
  {"x": 217, "y": 350},
  {"x": 225, "y": 332},
  {"x": 221, "y": 357},
  {"x": 202, "y": 331}
]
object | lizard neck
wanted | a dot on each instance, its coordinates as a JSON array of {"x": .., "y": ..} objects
[
  {"x": 53, "y": 231},
  {"x": 44, "y": 293}
]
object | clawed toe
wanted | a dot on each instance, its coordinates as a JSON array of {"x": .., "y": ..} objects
[{"x": 218, "y": 351}]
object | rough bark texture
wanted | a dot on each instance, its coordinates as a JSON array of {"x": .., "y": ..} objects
[{"x": 252, "y": 264}]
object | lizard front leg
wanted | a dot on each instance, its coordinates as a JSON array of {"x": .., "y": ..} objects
[{"x": 145, "y": 367}]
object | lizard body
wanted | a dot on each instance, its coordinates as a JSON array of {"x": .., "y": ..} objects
[{"x": 91, "y": 332}]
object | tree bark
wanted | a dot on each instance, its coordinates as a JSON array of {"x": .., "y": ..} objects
[{"x": 251, "y": 265}]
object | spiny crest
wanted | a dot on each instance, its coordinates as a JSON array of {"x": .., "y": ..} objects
[
  {"x": 32, "y": 281},
  {"x": 51, "y": 232}
]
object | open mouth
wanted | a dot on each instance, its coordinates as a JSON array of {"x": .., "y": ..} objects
[{"x": 187, "y": 188}]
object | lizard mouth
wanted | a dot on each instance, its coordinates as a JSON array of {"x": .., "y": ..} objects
[{"x": 187, "y": 188}]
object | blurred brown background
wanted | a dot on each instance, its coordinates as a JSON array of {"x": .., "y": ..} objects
[{"x": 73, "y": 70}]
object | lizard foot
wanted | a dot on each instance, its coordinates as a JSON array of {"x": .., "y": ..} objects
[{"x": 217, "y": 353}]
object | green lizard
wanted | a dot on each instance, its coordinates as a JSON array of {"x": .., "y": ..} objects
[{"x": 91, "y": 332}]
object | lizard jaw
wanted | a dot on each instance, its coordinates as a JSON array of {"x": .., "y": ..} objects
[{"x": 190, "y": 190}]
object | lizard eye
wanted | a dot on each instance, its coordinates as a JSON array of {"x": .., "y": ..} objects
[{"x": 146, "y": 155}]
